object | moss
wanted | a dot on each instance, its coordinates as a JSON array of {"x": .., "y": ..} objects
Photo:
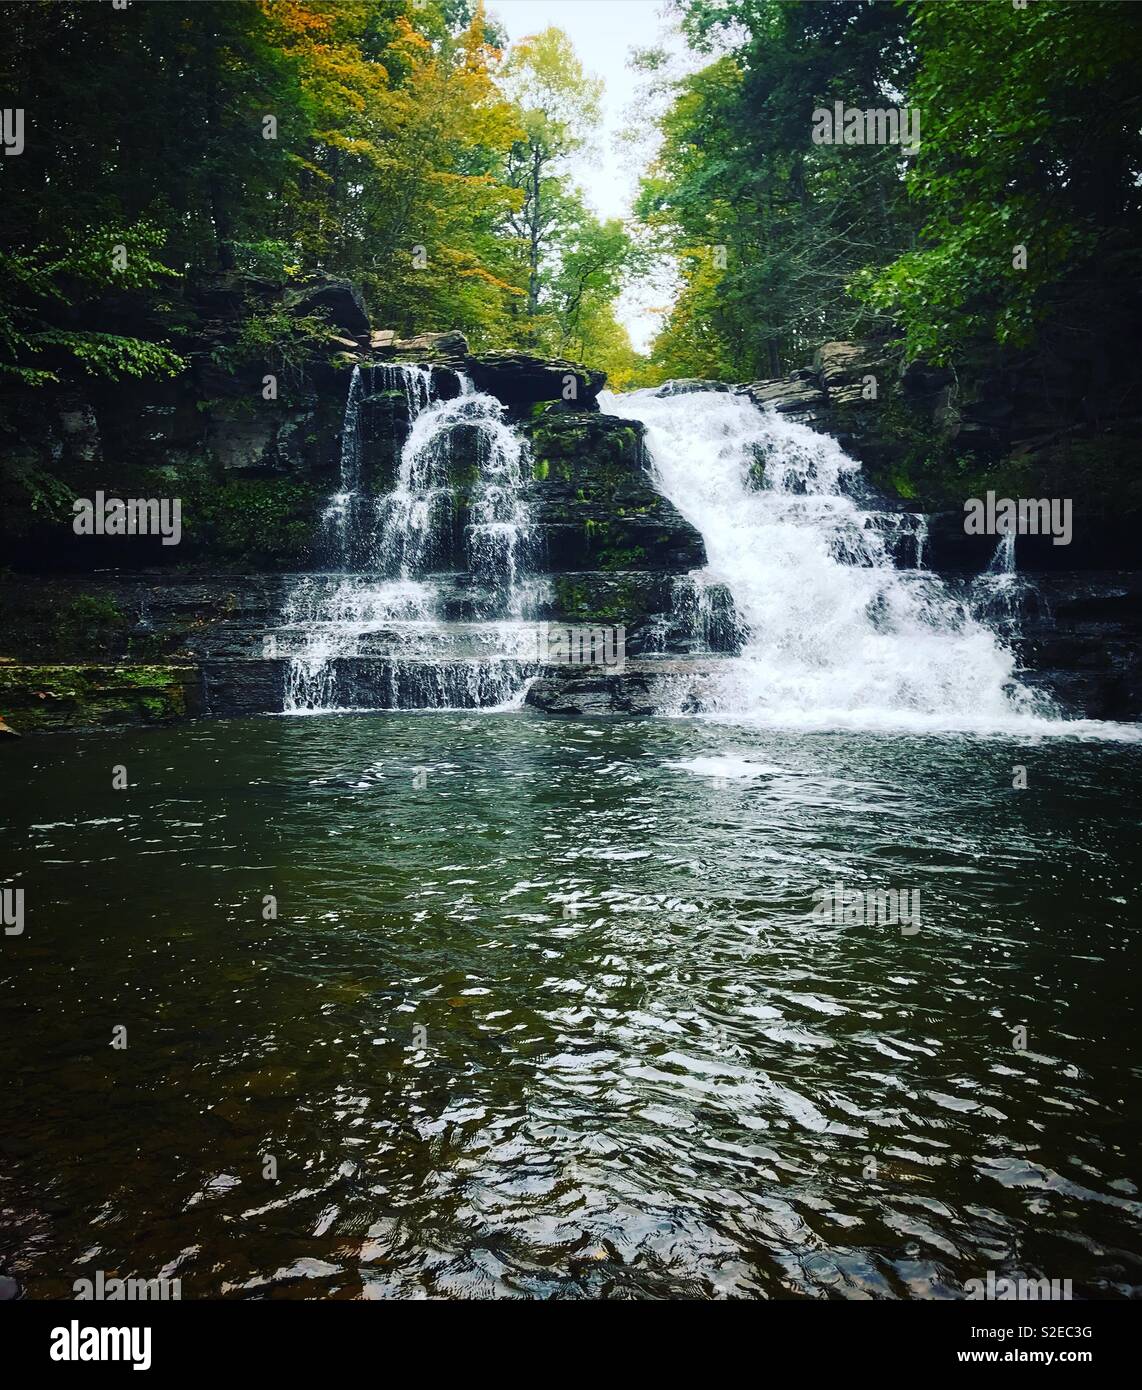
[
  {"x": 55, "y": 627},
  {"x": 632, "y": 557},
  {"x": 624, "y": 601},
  {"x": 68, "y": 697},
  {"x": 255, "y": 522},
  {"x": 570, "y": 596},
  {"x": 95, "y": 620},
  {"x": 540, "y": 470}
]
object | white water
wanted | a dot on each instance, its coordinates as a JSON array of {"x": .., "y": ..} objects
[
  {"x": 833, "y": 634},
  {"x": 393, "y": 552}
]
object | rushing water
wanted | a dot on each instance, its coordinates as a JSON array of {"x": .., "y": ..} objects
[
  {"x": 393, "y": 558},
  {"x": 835, "y": 633},
  {"x": 645, "y": 1068},
  {"x": 818, "y": 588}
]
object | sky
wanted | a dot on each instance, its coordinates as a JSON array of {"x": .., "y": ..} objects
[{"x": 604, "y": 32}]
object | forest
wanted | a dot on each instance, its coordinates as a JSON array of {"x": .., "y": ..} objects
[{"x": 392, "y": 142}]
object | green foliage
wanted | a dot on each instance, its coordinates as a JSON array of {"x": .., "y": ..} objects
[
  {"x": 30, "y": 493},
  {"x": 766, "y": 227},
  {"x": 258, "y": 522},
  {"x": 556, "y": 107},
  {"x": 1032, "y": 137},
  {"x": 39, "y": 287},
  {"x": 277, "y": 339}
]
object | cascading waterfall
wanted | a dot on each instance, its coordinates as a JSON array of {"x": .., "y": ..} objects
[
  {"x": 832, "y": 632},
  {"x": 375, "y": 629},
  {"x": 998, "y": 594},
  {"x": 1003, "y": 561}
]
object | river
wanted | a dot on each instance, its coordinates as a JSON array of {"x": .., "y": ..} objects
[{"x": 521, "y": 1007}]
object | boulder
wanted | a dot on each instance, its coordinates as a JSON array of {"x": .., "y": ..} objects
[
  {"x": 839, "y": 367},
  {"x": 519, "y": 379},
  {"x": 596, "y": 507},
  {"x": 339, "y": 301},
  {"x": 448, "y": 346},
  {"x": 790, "y": 395}
]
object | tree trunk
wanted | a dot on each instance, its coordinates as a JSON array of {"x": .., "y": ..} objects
[{"x": 533, "y": 249}]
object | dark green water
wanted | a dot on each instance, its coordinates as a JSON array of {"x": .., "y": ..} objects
[{"x": 672, "y": 1090}]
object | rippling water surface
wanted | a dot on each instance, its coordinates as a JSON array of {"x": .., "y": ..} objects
[{"x": 559, "y": 1021}]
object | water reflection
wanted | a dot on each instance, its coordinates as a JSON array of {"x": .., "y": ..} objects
[{"x": 559, "y": 1022}]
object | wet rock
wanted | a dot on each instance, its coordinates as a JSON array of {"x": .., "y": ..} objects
[
  {"x": 684, "y": 386},
  {"x": 643, "y": 687},
  {"x": 595, "y": 693},
  {"x": 84, "y": 696},
  {"x": 595, "y": 506},
  {"x": 790, "y": 395},
  {"x": 243, "y": 687}
]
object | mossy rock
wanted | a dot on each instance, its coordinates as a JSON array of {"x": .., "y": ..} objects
[{"x": 41, "y": 698}]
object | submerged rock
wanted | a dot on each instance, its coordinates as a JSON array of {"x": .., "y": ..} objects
[{"x": 684, "y": 386}]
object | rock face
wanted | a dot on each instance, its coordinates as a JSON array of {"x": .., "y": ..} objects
[
  {"x": 1080, "y": 637},
  {"x": 254, "y": 472},
  {"x": 338, "y": 301},
  {"x": 518, "y": 380},
  {"x": 797, "y": 395},
  {"x": 42, "y": 698},
  {"x": 674, "y": 685},
  {"x": 597, "y": 508}
]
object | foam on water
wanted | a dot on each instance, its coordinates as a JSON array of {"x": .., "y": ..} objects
[
  {"x": 391, "y": 555},
  {"x": 832, "y": 633}
]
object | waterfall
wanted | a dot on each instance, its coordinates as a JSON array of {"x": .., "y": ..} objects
[
  {"x": 832, "y": 632},
  {"x": 1003, "y": 561},
  {"x": 376, "y": 627}
]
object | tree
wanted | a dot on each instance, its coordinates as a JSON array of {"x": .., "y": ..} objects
[
  {"x": 557, "y": 106},
  {"x": 767, "y": 226},
  {"x": 1043, "y": 151}
]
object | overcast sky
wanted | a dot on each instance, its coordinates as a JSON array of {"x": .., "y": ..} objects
[{"x": 604, "y": 32}]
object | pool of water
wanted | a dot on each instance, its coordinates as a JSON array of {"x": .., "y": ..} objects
[{"x": 546, "y": 1010}]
